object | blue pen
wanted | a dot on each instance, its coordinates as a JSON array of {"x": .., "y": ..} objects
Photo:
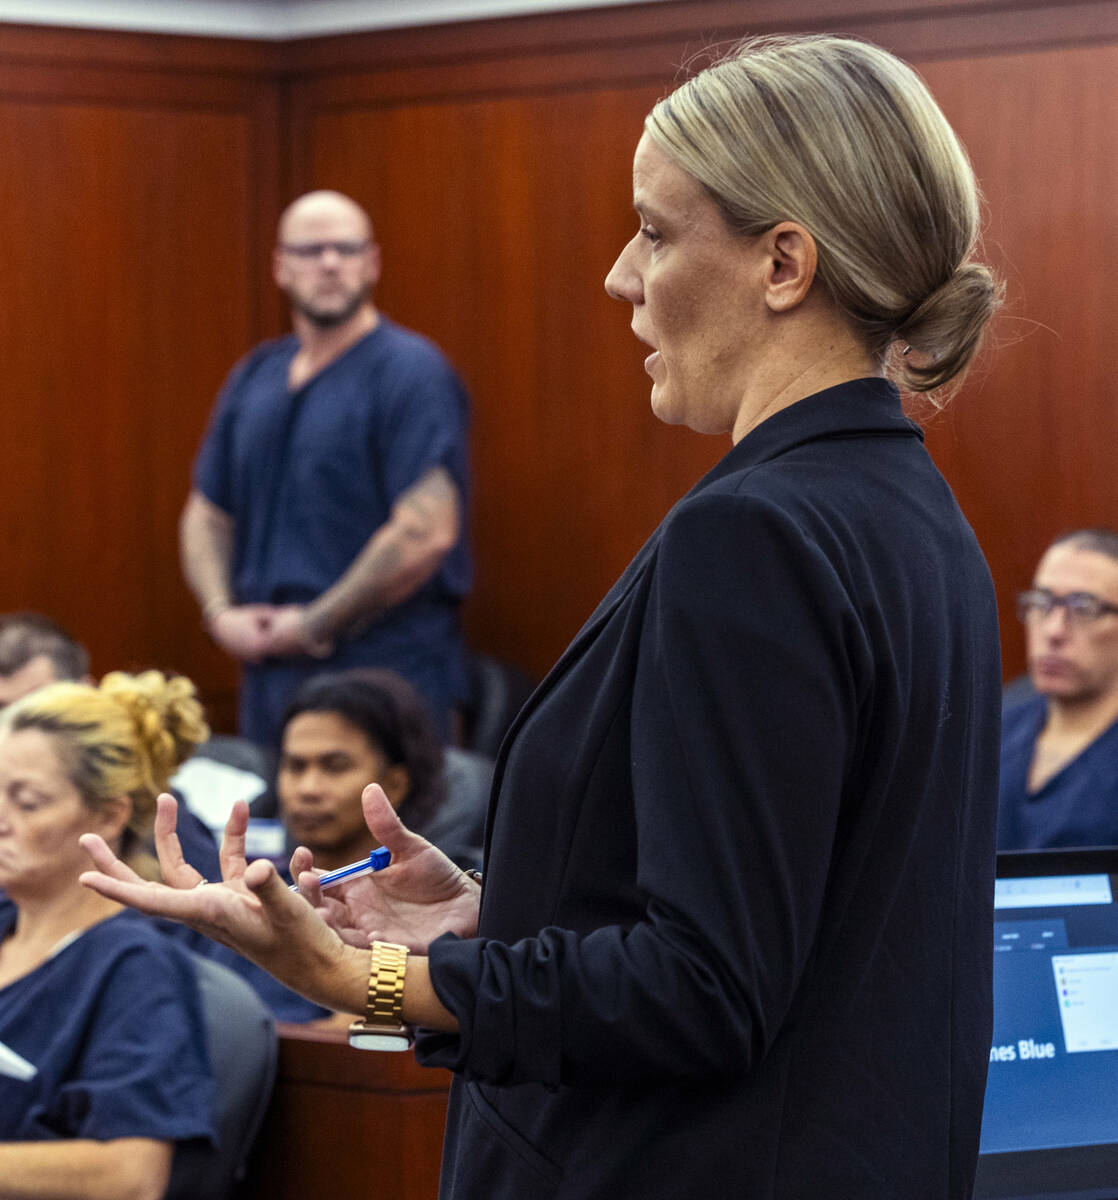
[{"x": 378, "y": 859}]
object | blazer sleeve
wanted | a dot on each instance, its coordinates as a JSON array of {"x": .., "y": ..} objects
[{"x": 751, "y": 669}]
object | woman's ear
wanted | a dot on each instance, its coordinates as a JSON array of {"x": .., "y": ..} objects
[
  {"x": 111, "y": 817},
  {"x": 792, "y": 260},
  {"x": 396, "y": 783}
]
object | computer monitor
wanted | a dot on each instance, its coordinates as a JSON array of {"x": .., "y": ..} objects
[{"x": 1050, "y": 1122}]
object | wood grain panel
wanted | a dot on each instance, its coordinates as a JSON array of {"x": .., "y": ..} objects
[
  {"x": 501, "y": 172},
  {"x": 1028, "y": 446},
  {"x": 341, "y": 1118},
  {"x": 129, "y": 236},
  {"x": 499, "y": 220},
  {"x": 136, "y": 225}
]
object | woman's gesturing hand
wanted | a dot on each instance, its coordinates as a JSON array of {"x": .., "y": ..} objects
[
  {"x": 418, "y": 896},
  {"x": 250, "y": 910}
]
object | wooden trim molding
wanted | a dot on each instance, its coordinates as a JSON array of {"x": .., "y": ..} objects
[
  {"x": 630, "y": 33},
  {"x": 165, "y": 53},
  {"x": 653, "y": 44}
]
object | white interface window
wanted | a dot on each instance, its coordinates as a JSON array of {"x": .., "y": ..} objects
[
  {"x": 1050, "y": 891},
  {"x": 1087, "y": 990}
]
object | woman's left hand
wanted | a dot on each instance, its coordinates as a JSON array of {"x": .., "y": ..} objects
[
  {"x": 251, "y": 910},
  {"x": 418, "y": 897}
]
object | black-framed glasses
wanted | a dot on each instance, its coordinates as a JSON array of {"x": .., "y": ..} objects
[
  {"x": 311, "y": 250},
  {"x": 1079, "y": 606}
]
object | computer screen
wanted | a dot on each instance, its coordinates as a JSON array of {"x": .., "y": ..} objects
[{"x": 1050, "y": 1122}]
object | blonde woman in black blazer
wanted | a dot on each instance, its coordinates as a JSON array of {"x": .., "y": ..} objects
[{"x": 734, "y": 938}]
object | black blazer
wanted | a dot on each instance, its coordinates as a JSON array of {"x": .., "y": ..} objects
[{"x": 735, "y": 937}]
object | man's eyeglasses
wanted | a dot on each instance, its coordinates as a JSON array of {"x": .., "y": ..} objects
[
  {"x": 309, "y": 250},
  {"x": 1079, "y": 606}
]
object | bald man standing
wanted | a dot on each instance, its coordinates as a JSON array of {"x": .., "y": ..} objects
[{"x": 325, "y": 527}]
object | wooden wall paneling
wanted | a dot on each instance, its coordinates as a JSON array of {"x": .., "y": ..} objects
[
  {"x": 129, "y": 232},
  {"x": 348, "y": 1122},
  {"x": 559, "y": 510},
  {"x": 499, "y": 220},
  {"x": 1029, "y": 443},
  {"x": 136, "y": 230}
]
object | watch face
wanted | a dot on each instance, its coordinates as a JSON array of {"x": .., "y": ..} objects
[{"x": 370, "y": 1037}]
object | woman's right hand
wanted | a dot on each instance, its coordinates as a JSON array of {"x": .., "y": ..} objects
[{"x": 418, "y": 896}]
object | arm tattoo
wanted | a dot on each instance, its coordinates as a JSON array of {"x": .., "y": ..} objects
[
  {"x": 398, "y": 558},
  {"x": 426, "y": 500}
]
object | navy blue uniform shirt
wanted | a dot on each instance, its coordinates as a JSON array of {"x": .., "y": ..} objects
[
  {"x": 1078, "y": 806},
  {"x": 113, "y": 1025},
  {"x": 308, "y": 475}
]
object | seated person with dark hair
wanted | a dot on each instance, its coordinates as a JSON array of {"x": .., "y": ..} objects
[
  {"x": 346, "y": 729},
  {"x": 342, "y": 731},
  {"x": 103, "y": 1062},
  {"x": 1059, "y": 761},
  {"x": 35, "y": 651}
]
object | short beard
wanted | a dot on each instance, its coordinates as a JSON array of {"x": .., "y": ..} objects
[{"x": 332, "y": 318}]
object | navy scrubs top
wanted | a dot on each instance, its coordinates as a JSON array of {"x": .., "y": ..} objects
[
  {"x": 1078, "y": 806},
  {"x": 112, "y": 1026}
]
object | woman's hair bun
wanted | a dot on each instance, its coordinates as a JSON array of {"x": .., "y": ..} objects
[
  {"x": 167, "y": 716},
  {"x": 940, "y": 337}
]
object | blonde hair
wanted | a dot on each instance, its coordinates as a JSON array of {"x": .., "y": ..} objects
[
  {"x": 125, "y": 737},
  {"x": 846, "y": 140}
]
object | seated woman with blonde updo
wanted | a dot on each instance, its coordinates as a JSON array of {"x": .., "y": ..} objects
[{"x": 103, "y": 1062}]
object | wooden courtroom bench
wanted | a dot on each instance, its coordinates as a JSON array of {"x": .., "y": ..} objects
[{"x": 348, "y": 1123}]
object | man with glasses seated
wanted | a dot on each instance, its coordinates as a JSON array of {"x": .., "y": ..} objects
[
  {"x": 326, "y": 520},
  {"x": 1059, "y": 761}
]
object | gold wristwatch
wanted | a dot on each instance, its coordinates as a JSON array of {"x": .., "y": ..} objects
[{"x": 382, "y": 1027}]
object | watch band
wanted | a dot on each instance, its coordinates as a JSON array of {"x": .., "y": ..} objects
[
  {"x": 384, "y": 1004},
  {"x": 382, "y": 1027}
]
